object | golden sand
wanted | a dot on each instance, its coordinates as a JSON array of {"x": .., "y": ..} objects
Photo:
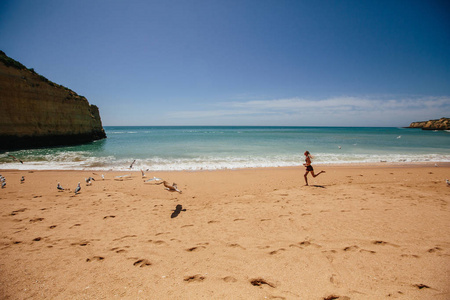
[{"x": 357, "y": 232}]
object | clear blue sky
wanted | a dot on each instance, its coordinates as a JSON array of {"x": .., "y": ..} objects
[{"x": 301, "y": 63}]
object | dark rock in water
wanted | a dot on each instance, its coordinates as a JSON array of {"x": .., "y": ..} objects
[
  {"x": 35, "y": 112},
  {"x": 440, "y": 124}
]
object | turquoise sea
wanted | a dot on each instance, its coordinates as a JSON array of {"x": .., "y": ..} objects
[{"x": 211, "y": 148}]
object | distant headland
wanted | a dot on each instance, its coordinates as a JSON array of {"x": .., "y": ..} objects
[
  {"x": 438, "y": 124},
  {"x": 36, "y": 112}
]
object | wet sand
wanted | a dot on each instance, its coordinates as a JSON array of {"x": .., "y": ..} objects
[{"x": 357, "y": 232}]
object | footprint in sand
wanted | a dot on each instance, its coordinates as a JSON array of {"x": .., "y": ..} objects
[
  {"x": 158, "y": 242},
  {"x": 235, "y": 246},
  {"x": 118, "y": 250},
  {"x": 435, "y": 249},
  {"x": 36, "y": 220},
  {"x": 142, "y": 263},
  {"x": 229, "y": 279},
  {"x": 83, "y": 243},
  {"x": 277, "y": 251},
  {"x": 193, "y": 249},
  {"x": 124, "y": 237},
  {"x": 383, "y": 243},
  {"x": 351, "y": 248},
  {"x": 333, "y": 297},
  {"x": 95, "y": 258},
  {"x": 261, "y": 282},
  {"x": 421, "y": 286},
  {"x": 15, "y": 212},
  {"x": 194, "y": 278},
  {"x": 107, "y": 217}
]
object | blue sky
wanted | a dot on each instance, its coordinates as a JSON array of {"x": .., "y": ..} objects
[{"x": 298, "y": 63}]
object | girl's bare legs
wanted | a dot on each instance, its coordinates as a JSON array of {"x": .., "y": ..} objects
[
  {"x": 306, "y": 179},
  {"x": 312, "y": 173}
]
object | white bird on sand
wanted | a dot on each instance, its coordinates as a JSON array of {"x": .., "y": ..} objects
[
  {"x": 3, "y": 184},
  {"x": 103, "y": 177},
  {"x": 448, "y": 182},
  {"x": 59, "y": 187},
  {"x": 78, "y": 189},
  {"x": 172, "y": 187},
  {"x": 123, "y": 176},
  {"x": 153, "y": 179},
  {"x": 142, "y": 173}
]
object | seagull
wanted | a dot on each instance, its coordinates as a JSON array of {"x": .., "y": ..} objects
[
  {"x": 123, "y": 176},
  {"x": 15, "y": 158},
  {"x": 22, "y": 180},
  {"x": 152, "y": 179},
  {"x": 103, "y": 177},
  {"x": 339, "y": 147},
  {"x": 131, "y": 166},
  {"x": 448, "y": 182},
  {"x": 172, "y": 187},
  {"x": 3, "y": 184},
  {"x": 77, "y": 190},
  {"x": 88, "y": 181},
  {"x": 142, "y": 173},
  {"x": 59, "y": 187},
  {"x": 399, "y": 137}
]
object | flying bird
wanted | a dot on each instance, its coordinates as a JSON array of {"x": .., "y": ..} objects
[
  {"x": 15, "y": 158},
  {"x": 172, "y": 187},
  {"x": 131, "y": 166},
  {"x": 142, "y": 173},
  {"x": 78, "y": 189}
]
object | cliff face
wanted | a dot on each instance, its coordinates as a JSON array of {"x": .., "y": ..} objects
[
  {"x": 441, "y": 124},
  {"x": 35, "y": 112}
]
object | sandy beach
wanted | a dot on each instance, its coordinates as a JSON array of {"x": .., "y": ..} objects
[{"x": 357, "y": 232}]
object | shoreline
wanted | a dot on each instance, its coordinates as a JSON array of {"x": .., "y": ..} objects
[
  {"x": 356, "y": 232},
  {"x": 322, "y": 165}
]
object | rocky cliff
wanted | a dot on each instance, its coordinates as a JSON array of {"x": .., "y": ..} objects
[
  {"x": 440, "y": 124},
  {"x": 35, "y": 112}
]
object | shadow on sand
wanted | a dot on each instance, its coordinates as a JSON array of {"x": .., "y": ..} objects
[{"x": 176, "y": 212}]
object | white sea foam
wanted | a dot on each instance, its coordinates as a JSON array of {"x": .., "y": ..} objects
[{"x": 79, "y": 161}]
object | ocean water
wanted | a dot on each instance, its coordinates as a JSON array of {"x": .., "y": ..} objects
[{"x": 212, "y": 148}]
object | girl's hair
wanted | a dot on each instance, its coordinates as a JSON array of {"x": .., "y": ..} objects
[{"x": 309, "y": 154}]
